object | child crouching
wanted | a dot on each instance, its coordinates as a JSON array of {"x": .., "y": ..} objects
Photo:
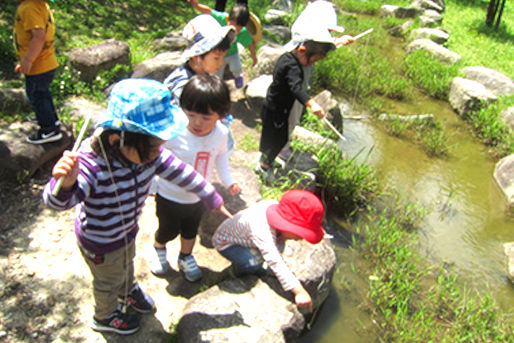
[
  {"x": 109, "y": 178},
  {"x": 265, "y": 225}
]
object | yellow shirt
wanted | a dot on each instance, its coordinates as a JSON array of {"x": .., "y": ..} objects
[{"x": 35, "y": 14}]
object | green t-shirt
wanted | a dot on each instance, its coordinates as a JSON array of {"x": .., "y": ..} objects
[{"x": 242, "y": 37}]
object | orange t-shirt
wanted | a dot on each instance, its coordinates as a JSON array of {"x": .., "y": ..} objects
[{"x": 35, "y": 14}]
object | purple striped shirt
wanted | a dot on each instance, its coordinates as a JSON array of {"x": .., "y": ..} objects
[{"x": 107, "y": 212}]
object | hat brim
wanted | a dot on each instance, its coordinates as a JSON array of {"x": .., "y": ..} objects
[
  {"x": 254, "y": 28},
  {"x": 176, "y": 123},
  {"x": 276, "y": 221},
  {"x": 206, "y": 44}
]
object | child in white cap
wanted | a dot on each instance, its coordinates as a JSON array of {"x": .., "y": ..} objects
[{"x": 109, "y": 178}]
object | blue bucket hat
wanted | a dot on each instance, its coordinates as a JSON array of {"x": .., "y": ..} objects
[{"x": 143, "y": 106}]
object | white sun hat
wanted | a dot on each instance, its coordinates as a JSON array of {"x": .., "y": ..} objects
[{"x": 204, "y": 33}]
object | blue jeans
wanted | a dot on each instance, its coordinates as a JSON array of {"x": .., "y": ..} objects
[
  {"x": 37, "y": 88},
  {"x": 243, "y": 259}
]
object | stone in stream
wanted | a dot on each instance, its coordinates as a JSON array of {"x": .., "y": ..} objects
[{"x": 508, "y": 248}]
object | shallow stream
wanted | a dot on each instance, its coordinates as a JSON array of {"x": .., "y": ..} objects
[{"x": 467, "y": 223}]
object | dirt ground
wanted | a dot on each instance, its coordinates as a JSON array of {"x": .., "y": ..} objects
[{"x": 45, "y": 286}]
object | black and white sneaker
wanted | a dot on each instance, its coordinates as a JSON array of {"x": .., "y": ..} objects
[
  {"x": 118, "y": 322},
  {"x": 139, "y": 300},
  {"x": 41, "y": 138}
]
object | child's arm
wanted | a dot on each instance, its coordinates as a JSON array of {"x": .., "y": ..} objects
[
  {"x": 35, "y": 47},
  {"x": 251, "y": 47},
  {"x": 302, "y": 298},
  {"x": 200, "y": 7},
  {"x": 315, "y": 108},
  {"x": 344, "y": 40}
]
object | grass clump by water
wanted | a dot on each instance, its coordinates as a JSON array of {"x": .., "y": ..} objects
[
  {"x": 413, "y": 302},
  {"x": 431, "y": 76},
  {"x": 493, "y": 129},
  {"x": 430, "y": 135}
]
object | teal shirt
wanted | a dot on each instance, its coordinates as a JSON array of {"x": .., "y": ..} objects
[{"x": 242, "y": 37}]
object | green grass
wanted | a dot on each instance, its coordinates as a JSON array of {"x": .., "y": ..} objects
[
  {"x": 428, "y": 74},
  {"x": 478, "y": 44},
  {"x": 411, "y": 301},
  {"x": 249, "y": 142}
]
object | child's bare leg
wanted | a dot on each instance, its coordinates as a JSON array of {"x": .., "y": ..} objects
[{"x": 186, "y": 245}]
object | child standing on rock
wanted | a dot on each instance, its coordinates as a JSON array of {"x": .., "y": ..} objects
[
  {"x": 206, "y": 100},
  {"x": 109, "y": 178},
  {"x": 265, "y": 225},
  {"x": 286, "y": 87}
]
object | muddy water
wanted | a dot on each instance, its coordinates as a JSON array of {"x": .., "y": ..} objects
[{"x": 467, "y": 222}]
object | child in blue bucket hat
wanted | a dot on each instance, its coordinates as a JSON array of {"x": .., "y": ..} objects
[{"x": 109, "y": 178}]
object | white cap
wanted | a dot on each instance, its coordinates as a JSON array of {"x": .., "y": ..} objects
[{"x": 204, "y": 33}]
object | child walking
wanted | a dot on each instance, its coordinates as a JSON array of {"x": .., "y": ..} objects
[
  {"x": 209, "y": 44},
  {"x": 34, "y": 30},
  {"x": 238, "y": 18},
  {"x": 109, "y": 178},
  {"x": 286, "y": 87},
  {"x": 266, "y": 225},
  {"x": 205, "y": 100}
]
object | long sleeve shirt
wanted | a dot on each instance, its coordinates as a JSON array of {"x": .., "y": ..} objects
[
  {"x": 249, "y": 228},
  {"x": 203, "y": 153},
  {"x": 177, "y": 80},
  {"x": 109, "y": 205},
  {"x": 285, "y": 88}
]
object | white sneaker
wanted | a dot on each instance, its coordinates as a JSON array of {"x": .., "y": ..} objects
[
  {"x": 266, "y": 175},
  {"x": 158, "y": 262},
  {"x": 191, "y": 271}
]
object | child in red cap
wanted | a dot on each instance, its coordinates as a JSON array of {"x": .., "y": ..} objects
[{"x": 265, "y": 225}]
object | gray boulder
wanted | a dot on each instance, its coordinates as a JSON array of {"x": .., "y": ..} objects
[
  {"x": 496, "y": 82},
  {"x": 285, "y": 5},
  {"x": 82, "y": 108},
  {"x": 267, "y": 57},
  {"x": 276, "y": 17},
  {"x": 311, "y": 138},
  {"x": 228, "y": 308},
  {"x": 171, "y": 42},
  {"x": 250, "y": 194},
  {"x": 430, "y": 18},
  {"x": 398, "y": 12},
  {"x": 401, "y": 30},
  {"x": 104, "y": 56},
  {"x": 440, "y": 52},
  {"x": 436, "y": 35},
  {"x": 256, "y": 91},
  {"x": 159, "y": 67},
  {"x": 508, "y": 248},
  {"x": 504, "y": 176},
  {"x": 14, "y": 100},
  {"x": 419, "y": 118},
  {"x": 20, "y": 159},
  {"x": 277, "y": 33},
  {"x": 427, "y": 4},
  {"x": 331, "y": 108},
  {"x": 507, "y": 116},
  {"x": 468, "y": 96}
]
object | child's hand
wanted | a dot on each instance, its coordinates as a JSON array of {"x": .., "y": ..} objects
[
  {"x": 344, "y": 40},
  {"x": 67, "y": 167},
  {"x": 302, "y": 298},
  {"x": 234, "y": 189},
  {"x": 224, "y": 211},
  {"x": 316, "y": 108}
]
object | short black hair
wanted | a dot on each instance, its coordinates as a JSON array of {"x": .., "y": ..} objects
[
  {"x": 204, "y": 93},
  {"x": 139, "y": 141},
  {"x": 239, "y": 14},
  {"x": 317, "y": 48}
]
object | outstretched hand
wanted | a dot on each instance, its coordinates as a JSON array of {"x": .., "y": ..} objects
[{"x": 221, "y": 208}]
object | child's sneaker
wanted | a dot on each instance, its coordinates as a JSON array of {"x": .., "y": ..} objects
[
  {"x": 118, "y": 322},
  {"x": 191, "y": 271},
  {"x": 158, "y": 262},
  {"x": 139, "y": 300},
  {"x": 266, "y": 174},
  {"x": 239, "y": 82},
  {"x": 41, "y": 138}
]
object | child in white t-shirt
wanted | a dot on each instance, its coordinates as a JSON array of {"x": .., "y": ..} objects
[{"x": 205, "y": 100}]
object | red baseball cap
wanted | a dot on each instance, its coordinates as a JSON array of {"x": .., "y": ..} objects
[{"x": 298, "y": 212}]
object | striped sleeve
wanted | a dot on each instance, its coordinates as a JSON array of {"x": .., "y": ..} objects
[{"x": 183, "y": 175}]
